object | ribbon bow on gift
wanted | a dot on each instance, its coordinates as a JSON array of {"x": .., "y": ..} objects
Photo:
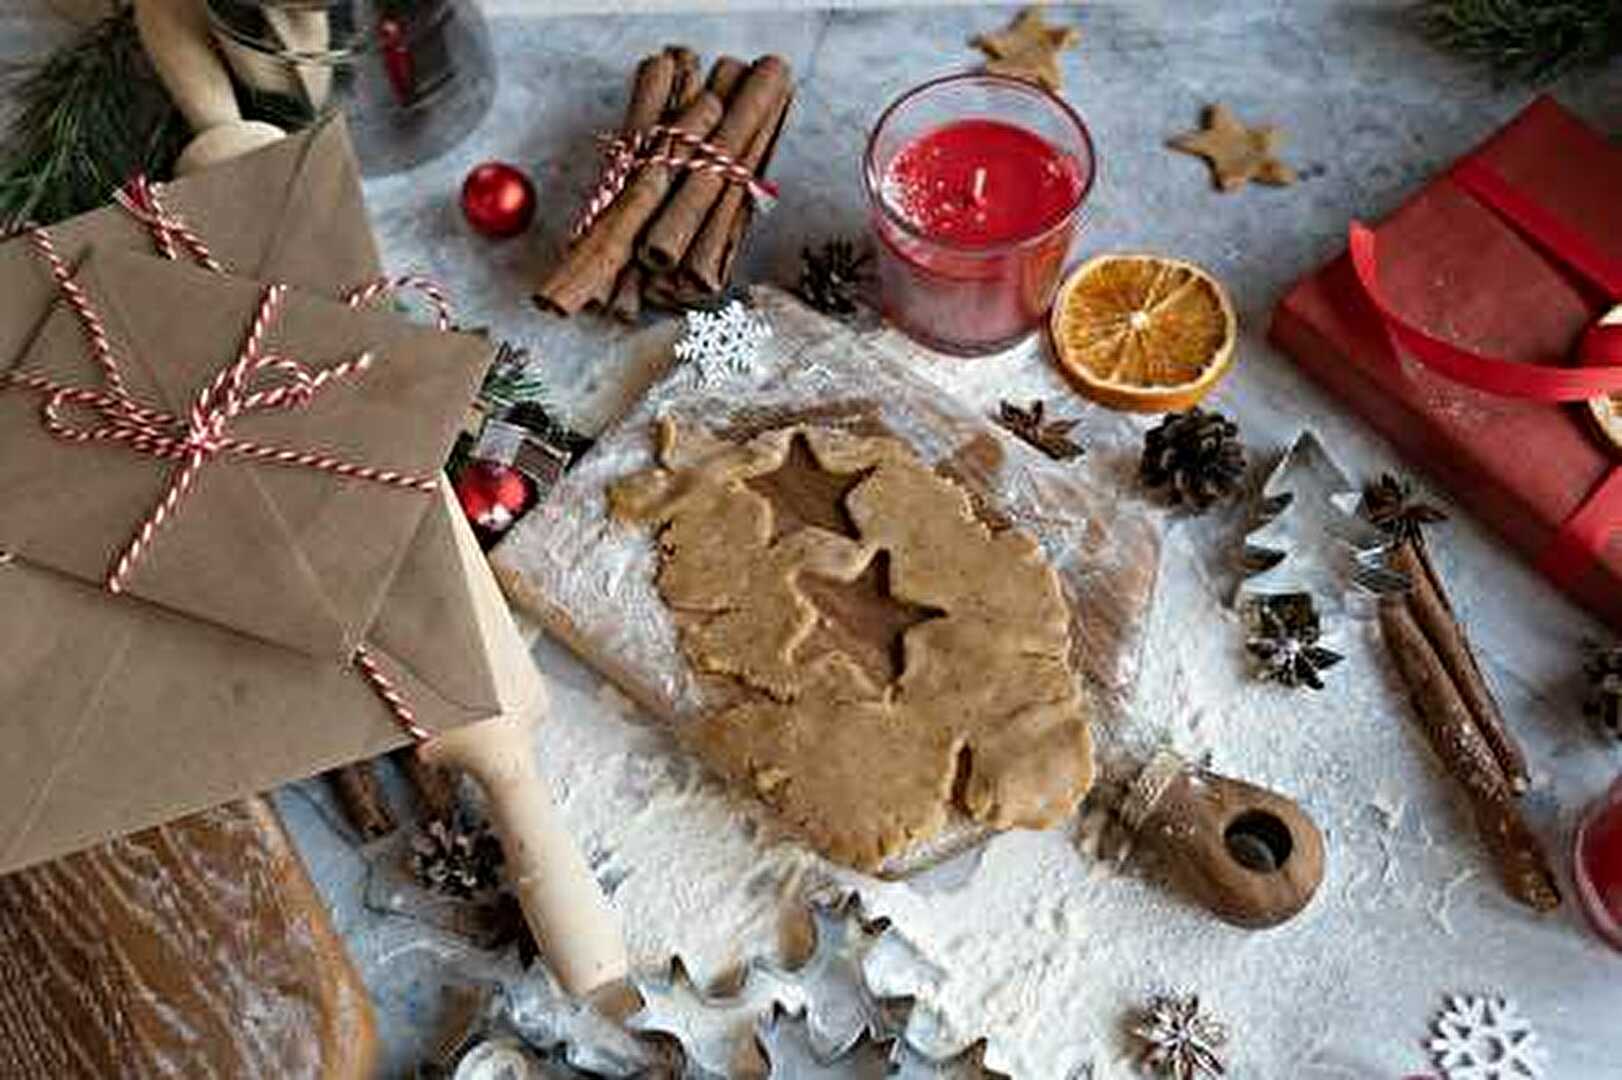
[{"x": 1583, "y": 535}]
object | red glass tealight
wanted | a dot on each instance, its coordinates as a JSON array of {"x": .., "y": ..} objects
[
  {"x": 975, "y": 185},
  {"x": 1598, "y": 865}
]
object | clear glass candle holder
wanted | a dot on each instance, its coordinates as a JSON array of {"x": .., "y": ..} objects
[
  {"x": 968, "y": 297},
  {"x": 1597, "y": 864},
  {"x": 414, "y": 77}
]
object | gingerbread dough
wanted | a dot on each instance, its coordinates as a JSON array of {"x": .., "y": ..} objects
[{"x": 893, "y": 655}]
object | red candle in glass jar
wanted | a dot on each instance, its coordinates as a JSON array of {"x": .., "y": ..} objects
[
  {"x": 1598, "y": 865},
  {"x": 975, "y": 184}
]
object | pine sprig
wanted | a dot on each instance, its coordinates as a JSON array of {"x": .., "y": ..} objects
[
  {"x": 91, "y": 115},
  {"x": 1533, "y": 41}
]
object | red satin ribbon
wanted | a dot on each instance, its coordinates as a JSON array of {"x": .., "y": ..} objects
[{"x": 1583, "y": 535}]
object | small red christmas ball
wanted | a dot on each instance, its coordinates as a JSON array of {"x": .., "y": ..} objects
[
  {"x": 492, "y": 495},
  {"x": 498, "y": 200}
]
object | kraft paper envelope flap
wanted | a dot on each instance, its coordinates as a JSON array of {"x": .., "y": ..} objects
[
  {"x": 237, "y": 717},
  {"x": 289, "y": 212},
  {"x": 78, "y": 676},
  {"x": 292, "y": 555}
]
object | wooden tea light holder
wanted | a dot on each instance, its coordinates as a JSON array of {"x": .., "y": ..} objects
[{"x": 1250, "y": 856}]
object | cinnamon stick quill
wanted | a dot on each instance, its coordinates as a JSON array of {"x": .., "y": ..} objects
[
  {"x": 587, "y": 273},
  {"x": 685, "y": 87},
  {"x": 1435, "y": 617},
  {"x": 709, "y": 260},
  {"x": 754, "y": 102},
  {"x": 1452, "y": 732},
  {"x": 725, "y": 75}
]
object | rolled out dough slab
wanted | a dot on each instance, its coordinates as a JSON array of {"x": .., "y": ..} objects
[{"x": 590, "y": 581}]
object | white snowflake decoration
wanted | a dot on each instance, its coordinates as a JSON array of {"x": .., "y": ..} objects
[
  {"x": 1479, "y": 1038},
  {"x": 724, "y": 342}
]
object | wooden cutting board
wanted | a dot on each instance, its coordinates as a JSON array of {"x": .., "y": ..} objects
[
  {"x": 199, "y": 948},
  {"x": 591, "y": 582}
]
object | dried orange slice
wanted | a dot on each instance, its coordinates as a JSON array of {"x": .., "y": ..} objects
[
  {"x": 1143, "y": 333},
  {"x": 1607, "y": 408}
]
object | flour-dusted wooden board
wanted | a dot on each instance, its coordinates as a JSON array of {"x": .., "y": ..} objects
[
  {"x": 590, "y": 581},
  {"x": 199, "y": 948}
]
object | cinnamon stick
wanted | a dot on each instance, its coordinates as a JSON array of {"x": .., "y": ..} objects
[
  {"x": 362, "y": 799},
  {"x": 587, "y": 272},
  {"x": 754, "y": 102},
  {"x": 685, "y": 87},
  {"x": 650, "y": 92},
  {"x": 725, "y": 75},
  {"x": 1452, "y": 732},
  {"x": 1430, "y": 609},
  {"x": 626, "y": 302},
  {"x": 435, "y": 785},
  {"x": 709, "y": 260}
]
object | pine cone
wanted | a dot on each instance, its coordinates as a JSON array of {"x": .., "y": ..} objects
[
  {"x": 832, "y": 276},
  {"x": 458, "y": 856},
  {"x": 1604, "y": 704},
  {"x": 1196, "y": 454}
]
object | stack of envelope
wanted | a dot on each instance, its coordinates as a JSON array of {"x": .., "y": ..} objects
[{"x": 226, "y": 667}]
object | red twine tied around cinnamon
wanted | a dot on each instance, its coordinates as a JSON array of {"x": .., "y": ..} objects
[
  {"x": 256, "y": 381},
  {"x": 623, "y": 156}
]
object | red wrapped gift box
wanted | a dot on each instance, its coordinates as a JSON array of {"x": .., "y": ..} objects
[{"x": 1464, "y": 329}]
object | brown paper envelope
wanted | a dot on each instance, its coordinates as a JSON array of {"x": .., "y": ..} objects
[
  {"x": 295, "y": 556},
  {"x": 67, "y": 703}
]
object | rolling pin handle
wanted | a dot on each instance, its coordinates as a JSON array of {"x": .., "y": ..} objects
[
  {"x": 578, "y": 932},
  {"x": 1249, "y": 855}
]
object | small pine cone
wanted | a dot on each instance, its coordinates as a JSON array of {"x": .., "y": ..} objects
[
  {"x": 458, "y": 856},
  {"x": 1604, "y": 704},
  {"x": 1197, "y": 455},
  {"x": 832, "y": 276}
]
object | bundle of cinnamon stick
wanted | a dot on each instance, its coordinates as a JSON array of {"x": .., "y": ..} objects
[
  {"x": 671, "y": 235},
  {"x": 1457, "y": 711}
]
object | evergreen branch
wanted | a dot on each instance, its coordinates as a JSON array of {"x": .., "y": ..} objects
[
  {"x": 1533, "y": 41},
  {"x": 91, "y": 115}
]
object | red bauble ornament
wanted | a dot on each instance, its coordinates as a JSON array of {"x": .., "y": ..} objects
[
  {"x": 492, "y": 495},
  {"x": 498, "y": 199}
]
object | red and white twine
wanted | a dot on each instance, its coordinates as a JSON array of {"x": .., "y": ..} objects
[
  {"x": 656, "y": 146},
  {"x": 256, "y": 381}
]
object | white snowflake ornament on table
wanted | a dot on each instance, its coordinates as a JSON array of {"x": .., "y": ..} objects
[
  {"x": 725, "y": 342},
  {"x": 1482, "y": 1038},
  {"x": 1180, "y": 1041}
]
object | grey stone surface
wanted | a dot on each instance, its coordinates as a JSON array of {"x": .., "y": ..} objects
[{"x": 1371, "y": 111}]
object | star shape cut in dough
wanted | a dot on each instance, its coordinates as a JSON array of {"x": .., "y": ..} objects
[
  {"x": 1237, "y": 154},
  {"x": 1028, "y": 49},
  {"x": 867, "y": 619},
  {"x": 802, "y": 493}
]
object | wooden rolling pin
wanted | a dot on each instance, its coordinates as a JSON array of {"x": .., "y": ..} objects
[
  {"x": 1250, "y": 856},
  {"x": 176, "y": 36},
  {"x": 577, "y": 931}
]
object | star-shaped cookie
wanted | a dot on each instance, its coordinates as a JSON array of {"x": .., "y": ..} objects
[
  {"x": 1028, "y": 49},
  {"x": 1237, "y": 153}
]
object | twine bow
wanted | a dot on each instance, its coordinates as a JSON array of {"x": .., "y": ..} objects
[
  {"x": 255, "y": 381},
  {"x": 623, "y": 155}
]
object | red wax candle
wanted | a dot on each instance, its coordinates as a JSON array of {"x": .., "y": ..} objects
[
  {"x": 975, "y": 183},
  {"x": 1598, "y": 867}
]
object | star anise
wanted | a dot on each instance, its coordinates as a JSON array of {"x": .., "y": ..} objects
[
  {"x": 1179, "y": 1040},
  {"x": 1031, "y": 425},
  {"x": 1284, "y": 641},
  {"x": 1390, "y": 504}
]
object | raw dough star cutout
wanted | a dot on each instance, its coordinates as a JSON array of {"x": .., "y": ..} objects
[
  {"x": 1028, "y": 49},
  {"x": 1237, "y": 154},
  {"x": 867, "y": 619},
  {"x": 803, "y": 493}
]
